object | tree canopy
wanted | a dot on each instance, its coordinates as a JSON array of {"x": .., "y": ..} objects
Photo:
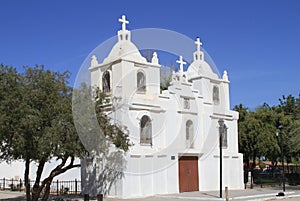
[
  {"x": 37, "y": 125},
  {"x": 258, "y": 129}
]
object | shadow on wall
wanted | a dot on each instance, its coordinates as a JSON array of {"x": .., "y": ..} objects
[{"x": 102, "y": 173}]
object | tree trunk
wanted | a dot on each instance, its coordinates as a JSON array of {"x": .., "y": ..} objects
[
  {"x": 36, "y": 190},
  {"x": 248, "y": 162},
  {"x": 56, "y": 171},
  {"x": 246, "y": 169},
  {"x": 287, "y": 165},
  {"x": 26, "y": 178},
  {"x": 252, "y": 168},
  {"x": 47, "y": 190}
]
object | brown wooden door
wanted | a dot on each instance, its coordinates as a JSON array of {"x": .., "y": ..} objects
[{"x": 188, "y": 174}]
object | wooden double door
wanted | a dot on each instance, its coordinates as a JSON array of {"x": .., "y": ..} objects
[{"x": 188, "y": 174}]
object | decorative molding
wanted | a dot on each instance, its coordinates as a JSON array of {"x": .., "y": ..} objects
[
  {"x": 132, "y": 107},
  {"x": 136, "y": 64},
  {"x": 143, "y": 65},
  {"x": 140, "y": 65},
  {"x": 223, "y": 116},
  {"x": 214, "y": 81},
  {"x": 164, "y": 97},
  {"x": 147, "y": 105},
  {"x": 205, "y": 77},
  {"x": 189, "y": 97},
  {"x": 218, "y": 156},
  {"x": 186, "y": 84},
  {"x": 190, "y": 153},
  {"x": 187, "y": 112}
]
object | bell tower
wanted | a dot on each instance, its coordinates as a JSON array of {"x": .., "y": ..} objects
[{"x": 125, "y": 72}]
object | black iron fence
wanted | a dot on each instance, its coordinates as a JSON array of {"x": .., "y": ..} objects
[
  {"x": 264, "y": 178},
  {"x": 267, "y": 178},
  {"x": 58, "y": 187}
]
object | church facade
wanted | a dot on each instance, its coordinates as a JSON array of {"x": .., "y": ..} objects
[{"x": 175, "y": 132}]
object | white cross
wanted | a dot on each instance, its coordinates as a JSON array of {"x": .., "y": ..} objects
[
  {"x": 198, "y": 43},
  {"x": 124, "y": 22},
  {"x": 181, "y": 62}
]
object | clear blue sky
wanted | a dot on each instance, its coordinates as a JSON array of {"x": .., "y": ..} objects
[{"x": 258, "y": 42}]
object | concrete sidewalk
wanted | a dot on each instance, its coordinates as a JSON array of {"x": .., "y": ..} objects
[
  {"x": 257, "y": 194},
  {"x": 248, "y": 194},
  {"x": 9, "y": 195}
]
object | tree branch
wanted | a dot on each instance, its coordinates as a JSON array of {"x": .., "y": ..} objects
[{"x": 59, "y": 170}]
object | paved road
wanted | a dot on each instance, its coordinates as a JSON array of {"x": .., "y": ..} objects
[{"x": 257, "y": 194}]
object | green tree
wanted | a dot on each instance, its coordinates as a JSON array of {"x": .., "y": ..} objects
[
  {"x": 257, "y": 132},
  {"x": 293, "y": 140},
  {"x": 244, "y": 140},
  {"x": 267, "y": 140},
  {"x": 37, "y": 125},
  {"x": 290, "y": 106},
  {"x": 258, "y": 128}
]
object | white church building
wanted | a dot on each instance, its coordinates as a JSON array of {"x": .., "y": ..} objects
[{"x": 175, "y": 132}]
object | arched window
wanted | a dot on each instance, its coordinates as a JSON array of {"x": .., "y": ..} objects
[
  {"x": 141, "y": 81},
  {"x": 216, "y": 95},
  {"x": 106, "y": 82},
  {"x": 189, "y": 134},
  {"x": 146, "y": 131}
]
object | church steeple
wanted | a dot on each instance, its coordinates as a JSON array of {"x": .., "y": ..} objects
[
  {"x": 124, "y": 48},
  {"x": 198, "y": 55},
  {"x": 124, "y": 34}
]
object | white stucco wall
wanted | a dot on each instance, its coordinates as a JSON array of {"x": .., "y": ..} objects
[{"x": 153, "y": 169}]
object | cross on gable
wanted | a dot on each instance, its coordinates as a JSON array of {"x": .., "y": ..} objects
[
  {"x": 181, "y": 63},
  {"x": 124, "y": 22},
  {"x": 198, "y": 43}
]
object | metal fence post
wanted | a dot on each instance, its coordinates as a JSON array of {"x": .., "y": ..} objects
[
  {"x": 75, "y": 186},
  {"x": 62, "y": 187},
  {"x": 57, "y": 188}
]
